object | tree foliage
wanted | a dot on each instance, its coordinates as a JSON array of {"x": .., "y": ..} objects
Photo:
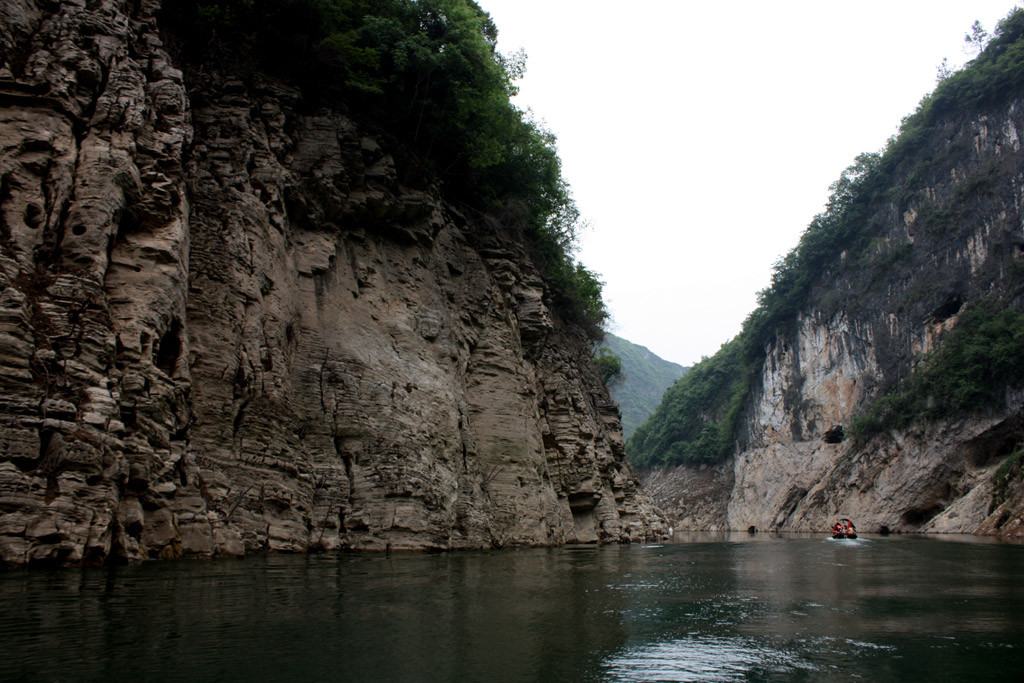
[
  {"x": 993, "y": 76},
  {"x": 428, "y": 73},
  {"x": 976, "y": 40},
  {"x": 608, "y": 364}
]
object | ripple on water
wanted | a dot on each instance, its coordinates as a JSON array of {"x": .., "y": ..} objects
[{"x": 703, "y": 659}]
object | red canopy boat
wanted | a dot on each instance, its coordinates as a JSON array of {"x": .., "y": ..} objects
[{"x": 843, "y": 528}]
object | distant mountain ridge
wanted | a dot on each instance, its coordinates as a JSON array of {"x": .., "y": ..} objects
[{"x": 645, "y": 377}]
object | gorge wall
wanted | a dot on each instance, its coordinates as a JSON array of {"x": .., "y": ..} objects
[
  {"x": 948, "y": 239},
  {"x": 229, "y": 324}
]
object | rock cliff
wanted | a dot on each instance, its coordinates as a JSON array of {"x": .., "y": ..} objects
[
  {"x": 947, "y": 239},
  {"x": 231, "y": 321}
]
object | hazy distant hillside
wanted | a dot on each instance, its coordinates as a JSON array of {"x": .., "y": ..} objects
[{"x": 644, "y": 379}]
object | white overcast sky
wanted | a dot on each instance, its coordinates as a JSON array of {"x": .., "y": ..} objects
[{"x": 700, "y": 138}]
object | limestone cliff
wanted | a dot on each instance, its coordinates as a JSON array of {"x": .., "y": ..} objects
[
  {"x": 947, "y": 238},
  {"x": 227, "y": 326}
]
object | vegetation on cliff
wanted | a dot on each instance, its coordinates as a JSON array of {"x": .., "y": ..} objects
[
  {"x": 976, "y": 361},
  {"x": 700, "y": 416},
  {"x": 609, "y": 366},
  {"x": 428, "y": 73}
]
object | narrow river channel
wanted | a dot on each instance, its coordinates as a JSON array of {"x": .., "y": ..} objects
[{"x": 728, "y": 607}]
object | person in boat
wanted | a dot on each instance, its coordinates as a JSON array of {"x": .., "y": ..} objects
[
  {"x": 837, "y": 527},
  {"x": 850, "y": 530}
]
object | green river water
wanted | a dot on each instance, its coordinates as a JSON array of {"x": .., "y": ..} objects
[{"x": 728, "y": 607}]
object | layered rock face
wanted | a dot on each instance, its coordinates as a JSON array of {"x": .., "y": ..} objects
[
  {"x": 230, "y": 324},
  {"x": 954, "y": 236}
]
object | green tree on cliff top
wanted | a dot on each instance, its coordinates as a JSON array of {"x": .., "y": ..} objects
[{"x": 429, "y": 73}]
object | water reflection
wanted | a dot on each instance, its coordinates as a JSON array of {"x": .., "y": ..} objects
[
  {"x": 755, "y": 608},
  {"x": 704, "y": 659},
  {"x": 749, "y": 608}
]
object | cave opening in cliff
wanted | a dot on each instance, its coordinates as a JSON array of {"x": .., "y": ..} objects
[
  {"x": 921, "y": 516},
  {"x": 949, "y": 307},
  {"x": 169, "y": 349},
  {"x": 834, "y": 435}
]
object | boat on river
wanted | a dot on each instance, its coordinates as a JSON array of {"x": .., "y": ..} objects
[{"x": 843, "y": 528}]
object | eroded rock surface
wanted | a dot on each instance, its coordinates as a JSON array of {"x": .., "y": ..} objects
[{"x": 228, "y": 326}]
